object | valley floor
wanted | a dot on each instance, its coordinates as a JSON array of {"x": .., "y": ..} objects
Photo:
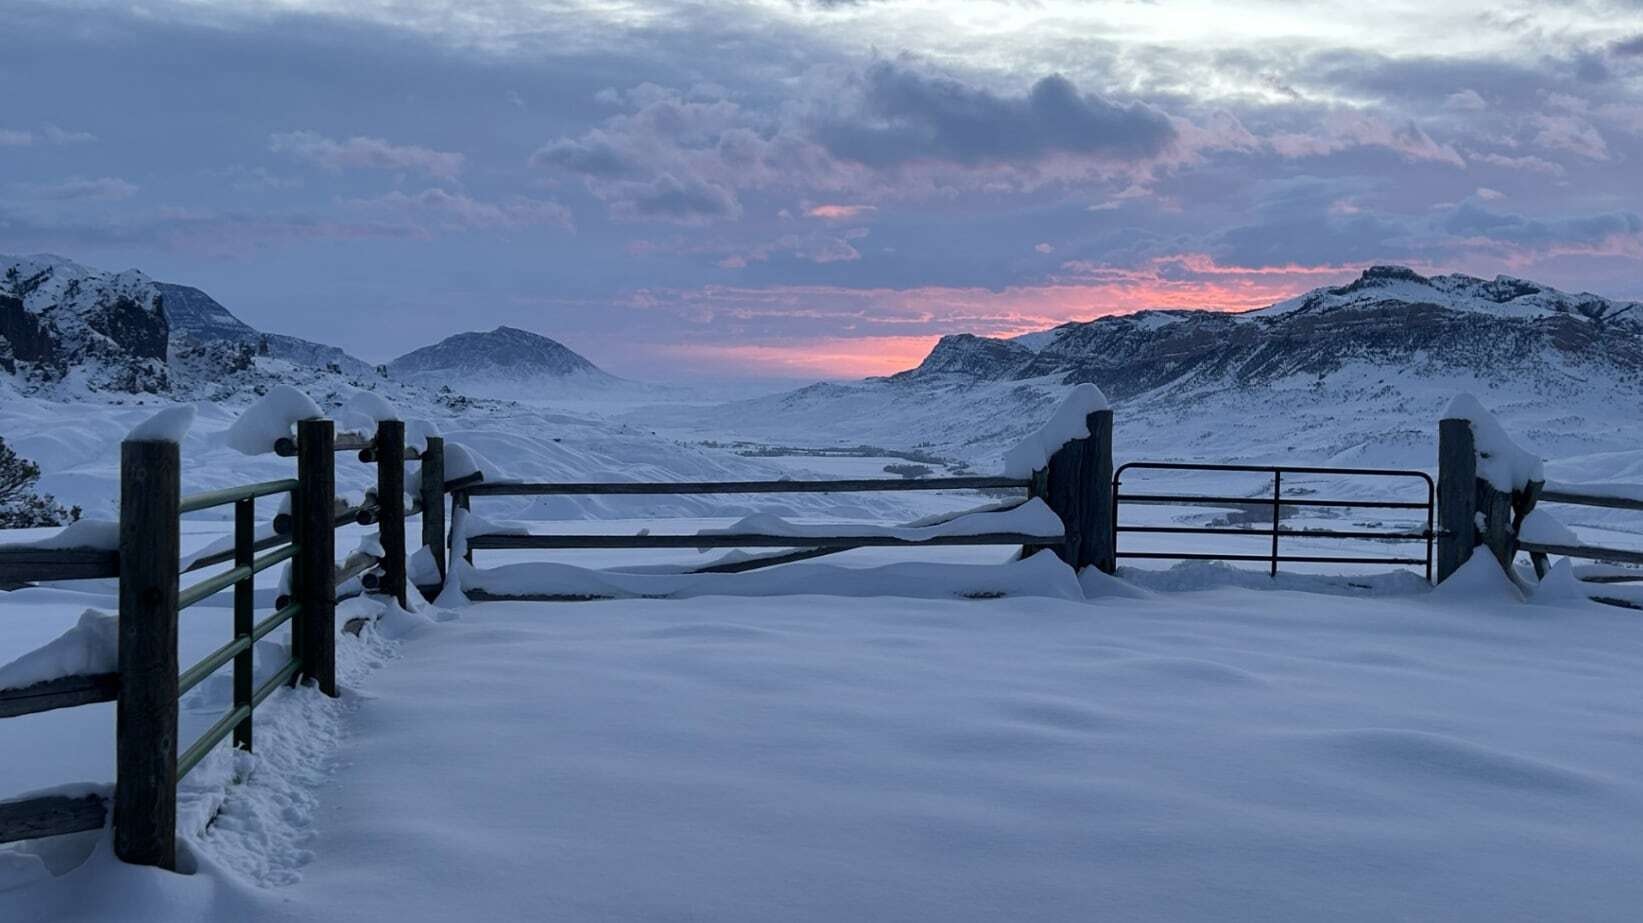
[{"x": 1222, "y": 754}]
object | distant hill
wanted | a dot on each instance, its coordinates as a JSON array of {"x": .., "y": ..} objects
[{"x": 505, "y": 362}]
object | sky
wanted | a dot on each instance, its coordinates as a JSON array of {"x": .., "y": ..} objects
[{"x": 811, "y": 188}]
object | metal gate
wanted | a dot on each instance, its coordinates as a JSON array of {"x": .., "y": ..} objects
[{"x": 1277, "y": 502}]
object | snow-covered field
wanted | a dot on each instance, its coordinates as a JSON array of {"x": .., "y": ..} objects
[
  {"x": 1195, "y": 751},
  {"x": 886, "y": 734}
]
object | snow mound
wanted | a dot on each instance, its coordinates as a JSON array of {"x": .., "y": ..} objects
[
  {"x": 169, "y": 425},
  {"x": 91, "y": 646},
  {"x": 1031, "y": 518},
  {"x": 100, "y": 534},
  {"x": 1042, "y": 574},
  {"x": 362, "y": 410},
  {"x": 1479, "y": 580},
  {"x": 1069, "y": 422},
  {"x": 1502, "y": 462},
  {"x": 271, "y": 418},
  {"x": 1561, "y": 586},
  {"x": 461, "y": 461},
  {"x": 1542, "y": 528}
]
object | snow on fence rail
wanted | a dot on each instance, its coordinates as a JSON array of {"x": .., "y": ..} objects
[
  {"x": 1067, "y": 509},
  {"x": 145, "y": 556}
]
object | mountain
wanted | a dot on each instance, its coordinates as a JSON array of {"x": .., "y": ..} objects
[
  {"x": 196, "y": 315},
  {"x": 506, "y": 362},
  {"x": 59, "y": 319},
  {"x": 1355, "y": 374}
]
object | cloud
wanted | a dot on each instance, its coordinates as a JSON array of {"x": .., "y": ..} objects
[
  {"x": 595, "y": 156},
  {"x": 1465, "y": 101},
  {"x": 1569, "y": 132},
  {"x": 1473, "y": 221},
  {"x": 669, "y": 198},
  {"x": 365, "y": 153},
  {"x": 47, "y": 134},
  {"x": 453, "y": 211},
  {"x": 1343, "y": 130},
  {"x": 840, "y": 212},
  {"x": 1631, "y": 47},
  {"x": 78, "y": 189},
  {"x": 904, "y": 116}
]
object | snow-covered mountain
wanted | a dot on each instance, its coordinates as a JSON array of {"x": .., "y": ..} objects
[
  {"x": 61, "y": 320},
  {"x": 505, "y": 362},
  {"x": 1354, "y": 374},
  {"x": 196, "y": 315},
  {"x": 76, "y": 331}
]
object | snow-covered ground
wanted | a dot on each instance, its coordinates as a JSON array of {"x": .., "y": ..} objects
[
  {"x": 1172, "y": 748},
  {"x": 887, "y": 734}
]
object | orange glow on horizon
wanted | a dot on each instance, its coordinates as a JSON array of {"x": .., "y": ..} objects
[{"x": 1080, "y": 292}]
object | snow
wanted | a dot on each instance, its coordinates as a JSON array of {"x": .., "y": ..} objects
[
  {"x": 91, "y": 646},
  {"x": 1067, "y": 423},
  {"x": 169, "y": 425},
  {"x": 273, "y": 417},
  {"x": 98, "y": 534},
  {"x": 1633, "y": 492},
  {"x": 363, "y": 410},
  {"x": 1479, "y": 580},
  {"x": 1501, "y": 461},
  {"x": 461, "y": 461},
  {"x": 1043, "y": 575},
  {"x": 1542, "y": 528},
  {"x": 1220, "y": 754},
  {"x": 1031, "y": 518}
]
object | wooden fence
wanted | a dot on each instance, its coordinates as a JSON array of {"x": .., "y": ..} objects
[
  {"x": 1072, "y": 484},
  {"x": 147, "y": 684},
  {"x": 1077, "y": 483},
  {"x": 1474, "y": 513}
]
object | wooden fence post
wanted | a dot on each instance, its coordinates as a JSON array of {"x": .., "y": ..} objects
[
  {"x": 432, "y": 495},
  {"x": 390, "y": 451},
  {"x": 145, "y": 787},
  {"x": 1457, "y": 495},
  {"x": 314, "y": 630},
  {"x": 1077, "y": 486}
]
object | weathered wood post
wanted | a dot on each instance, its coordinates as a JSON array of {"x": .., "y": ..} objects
[
  {"x": 245, "y": 535},
  {"x": 145, "y": 787},
  {"x": 1457, "y": 495},
  {"x": 314, "y": 630},
  {"x": 1077, "y": 485},
  {"x": 431, "y": 491},
  {"x": 390, "y": 452}
]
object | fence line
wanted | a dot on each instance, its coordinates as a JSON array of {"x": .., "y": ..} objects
[
  {"x": 147, "y": 685},
  {"x": 1077, "y": 483}
]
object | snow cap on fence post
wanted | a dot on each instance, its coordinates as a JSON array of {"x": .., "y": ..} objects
[
  {"x": 169, "y": 425},
  {"x": 270, "y": 418},
  {"x": 1506, "y": 465},
  {"x": 1069, "y": 460},
  {"x": 1486, "y": 481},
  {"x": 1069, "y": 422}
]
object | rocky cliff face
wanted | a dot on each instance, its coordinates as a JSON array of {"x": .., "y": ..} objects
[{"x": 59, "y": 319}]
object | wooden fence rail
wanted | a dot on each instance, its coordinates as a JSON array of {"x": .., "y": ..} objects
[{"x": 148, "y": 683}]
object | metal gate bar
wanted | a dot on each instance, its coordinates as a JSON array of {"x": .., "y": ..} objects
[{"x": 1277, "y": 502}]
